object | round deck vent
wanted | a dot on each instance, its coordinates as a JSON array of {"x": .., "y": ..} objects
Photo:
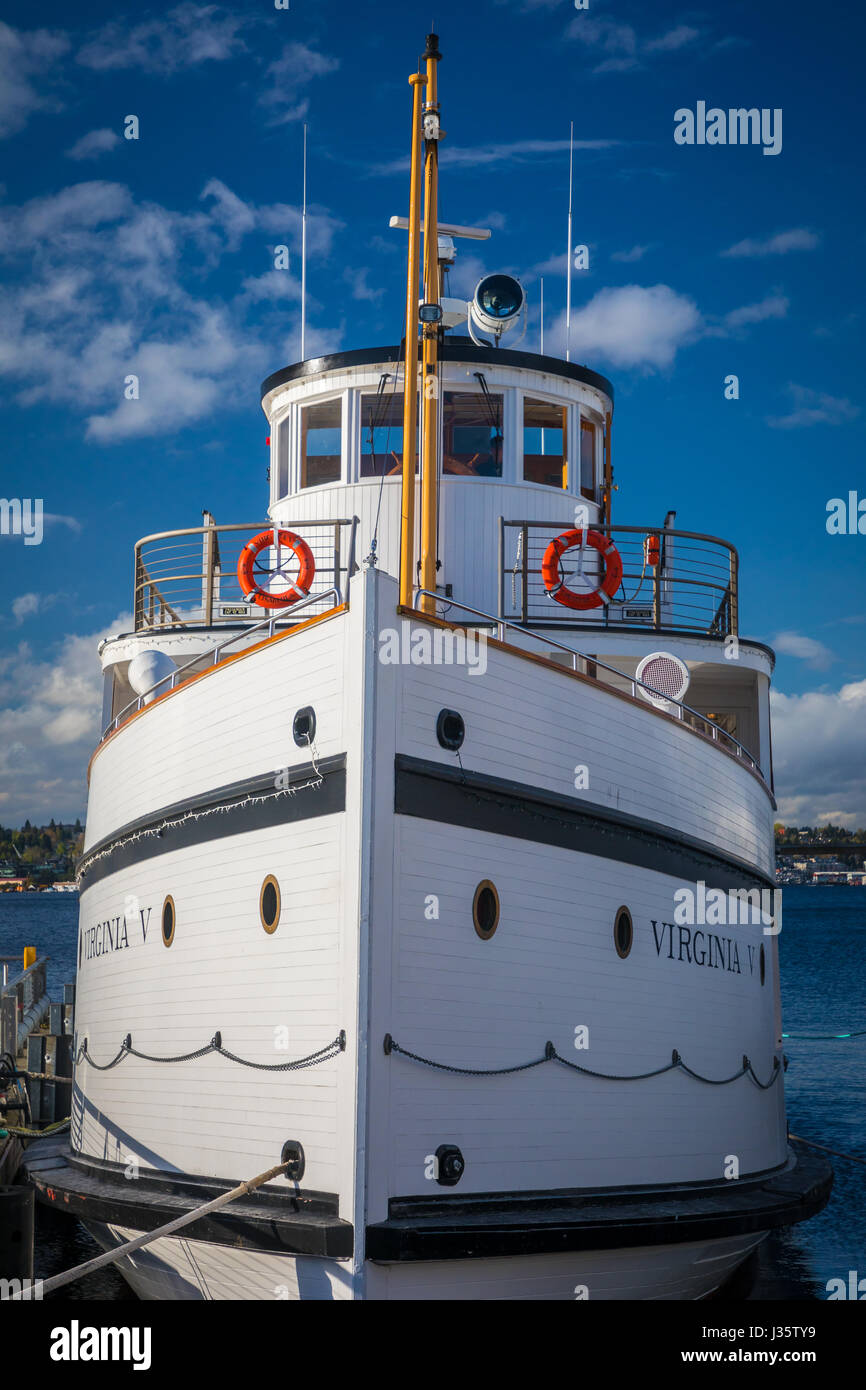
[
  {"x": 146, "y": 669},
  {"x": 666, "y": 674}
]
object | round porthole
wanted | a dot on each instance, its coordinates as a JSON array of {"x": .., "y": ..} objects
[
  {"x": 623, "y": 932},
  {"x": 485, "y": 909},
  {"x": 269, "y": 904},
  {"x": 304, "y": 727},
  {"x": 169, "y": 921},
  {"x": 450, "y": 729},
  {"x": 763, "y": 959}
]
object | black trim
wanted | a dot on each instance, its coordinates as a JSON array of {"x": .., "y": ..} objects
[
  {"x": 450, "y": 351},
  {"x": 458, "y": 796},
  {"x": 503, "y": 1224},
  {"x": 308, "y": 802},
  {"x": 286, "y": 1221}
]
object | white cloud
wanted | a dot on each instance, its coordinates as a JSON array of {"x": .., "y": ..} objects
[
  {"x": 675, "y": 38},
  {"x": 514, "y": 152},
  {"x": 798, "y": 239},
  {"x": 95, "y": 143},
  {"x": 25, "y": 606},
  {"x": 813, "y": 407},
  {"x": 807, "y": 649},
  {"x": 297, "y": 66},
  {"x": 117, "y": 297},
  {"x": 49, "y": 722},
  {"x": 773, "y": 306},
  {"x": 636, "y": 253},
  {"x": 183, "y": 38},
  {"x": 819, "y": 743},
  {"x": 624, "y": 49},
  {"x": 27, "y": 57},
  {"x": 360, "y": 286},
  {"x": 633, "y": 326}
]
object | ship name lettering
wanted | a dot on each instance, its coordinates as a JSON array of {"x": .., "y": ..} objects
[{"x": 700, "y": 948}]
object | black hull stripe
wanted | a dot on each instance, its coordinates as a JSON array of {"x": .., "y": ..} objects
[
  {"x": 234, "y": 814},
  {"x": 507, "y": 1225},
  {"x": 280, "y": 1221},
  {"x": 436, "y": 792}
]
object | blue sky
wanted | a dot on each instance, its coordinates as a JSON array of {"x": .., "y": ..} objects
[{"x": 155, "y": 256}]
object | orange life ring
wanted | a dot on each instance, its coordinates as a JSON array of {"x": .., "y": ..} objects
[
  {"x": 302, "y": 585},
  {"x": 556, "y": 586}
]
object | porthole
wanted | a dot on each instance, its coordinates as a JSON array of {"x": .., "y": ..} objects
[
  {"x": 169, "y": 921},
  {"x": 623, "y": 932},
  {"x": 450, "y": 729},
  {"x": 763, "y": 959},
  {"x": 304, "y": 727},
  {"x": 485, "y": 909},
  {"x": 269, "y": 904}
]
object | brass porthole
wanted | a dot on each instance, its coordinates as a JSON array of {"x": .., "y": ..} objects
[
  {"x": 485, "y": 909},
  {"x": 623, "y": 932},
  {"x": 269, "y": 904},
  {"x": 169, "y": 921}
]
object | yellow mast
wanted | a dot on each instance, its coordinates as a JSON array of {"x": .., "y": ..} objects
[
  {"x": 430, "y": 380},
  {"x": 410, "y": 391}
]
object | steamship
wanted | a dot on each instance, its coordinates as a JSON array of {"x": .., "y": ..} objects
[{"x": 400, "y": 792}]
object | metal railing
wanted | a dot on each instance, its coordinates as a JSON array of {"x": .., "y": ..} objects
[
  {"x": 207, "y": 659},
  {"x": 23, "y": 1003},
  {"x": 189, "y": 578},
  {"x": 692, "y": 587},
  {"x": 590, "y": 667}
]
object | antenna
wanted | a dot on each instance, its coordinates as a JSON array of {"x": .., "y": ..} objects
[
  {"x": 542, "y": 315},
  {"x": 568, "y": 265},
  {"x": 304, "y": 251}
]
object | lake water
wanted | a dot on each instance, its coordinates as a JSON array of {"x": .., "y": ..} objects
[{"x": 823, "y": 954}]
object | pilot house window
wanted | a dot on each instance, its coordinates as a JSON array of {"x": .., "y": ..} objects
[
  {"x": 472, "y": 434},
  {"x": 587, "y": 459},
  {"x": 321, "y": 433},
  {"x": 545, "y": 444},
  {"x": 382, "y": 435}
]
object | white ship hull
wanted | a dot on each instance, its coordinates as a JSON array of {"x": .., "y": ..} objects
[
  {"x": 196, "y": 1270},
  {"x": 378, "y": 863}
]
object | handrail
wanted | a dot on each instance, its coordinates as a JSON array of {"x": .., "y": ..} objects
[
  {"x": 502, "y": 623},
  {"x": 270, "y": 623},
  {"x": 693, "y": 587},
  {"x": 188, "y": 577}
]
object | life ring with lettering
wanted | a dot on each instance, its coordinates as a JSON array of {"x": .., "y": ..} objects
[
  {"x": 248, "y": 571},
  {"x": 555, "y": 584}
]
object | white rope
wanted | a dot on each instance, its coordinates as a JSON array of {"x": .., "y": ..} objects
[{"x": 110, "y": 1256}]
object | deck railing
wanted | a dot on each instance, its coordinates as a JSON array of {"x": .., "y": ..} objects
[
  {"x": 692, "y": 587},
  {"x": 189, "y": 578},
  {"x": 267, "y": 627},
  {"x": 589, "y": 665}
]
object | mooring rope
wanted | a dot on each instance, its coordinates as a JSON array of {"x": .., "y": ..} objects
[
  {"x": 242, "y": 1190},
  {"x": 324, "y": 1054},
  {"x": 551, "y": 1055},
  {"x": 810, "y": 1143}
]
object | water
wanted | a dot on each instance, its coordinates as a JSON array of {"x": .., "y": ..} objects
[{"x": 823, "y": 954}]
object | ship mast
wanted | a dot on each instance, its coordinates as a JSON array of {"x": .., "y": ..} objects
[
  {"x": 430, "y": 341},
  {"x": 410, "y": 376}
]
